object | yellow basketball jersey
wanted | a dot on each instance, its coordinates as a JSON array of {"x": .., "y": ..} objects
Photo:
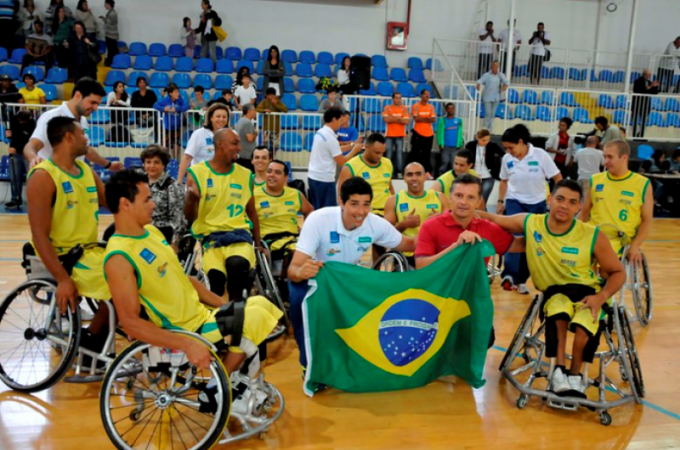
[
  {"x": 424, "y": 206},
  {"x": 278, "y": 214},
  {"x": 560, "y": 259},
  {"x": 379, "y": 177},
  {"x": 75, "y": 212},
  {"x": 223, "y": 199},
  {"x": 618, "y": 202},
  {"x": 165, "y": 292},
  {"x": 446, "y": 180}
]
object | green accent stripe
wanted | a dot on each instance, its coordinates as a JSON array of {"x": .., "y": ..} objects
[
  {"x": 130, "y": 260},
  {"x": 442, "y": 184},
  {"x": 209, "y": 327},
  {"x": 573, "y": 224},
  {"x": 165, "y": 323},
  {"x": 644, "y": 191},
  {"x": 350, "y": 168},
  {"x": 526, "y": 219},
  {"x": 300, "y": 200},
  {"x": 75, "y": 177},
  {"x": 193, "y": 175},
  {"x": 592, "y": 245}
]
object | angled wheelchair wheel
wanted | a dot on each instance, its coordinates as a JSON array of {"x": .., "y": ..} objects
[
  {"x": 392, "y": 262},
  {"x": 622, "y": 326},
  {"x": 641, "y": 286},
  {"x": 266, "y": 284},
  {"x": 155, "y": 398},
  {"x": 630, "y": 352},
  {"x": 525, "y": 326},
  {"x": 37, "y": 343}
]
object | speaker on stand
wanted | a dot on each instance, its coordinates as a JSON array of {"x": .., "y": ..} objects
[{"x": 360, "y": 78}]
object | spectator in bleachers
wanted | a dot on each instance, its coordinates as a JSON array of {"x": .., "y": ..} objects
[
  {"x": 238, "y": 81},
  {"x": 331, "y": 101},
  {"x": 143, "y": 98},
  {"x": 118, "y": 98},
  {"x": 273, "y": 71},
  {"x": 495, "y": 84},
  {"x": 32, "y": 95},
  {"x": 9, "y": 23},
  {"x": 188, "y": 35},
  {"x": 606, "y": 132},
  {"x": 111, "y": 34},
  {"x": 590, "y": 160},
  {"x": 506, "y": 42},
  {"x": 486, "y": 157},
  {"x": 8, "y": 93},
  {"x": 82, "y": 48},
  {"x": 22, "y": 126},
  {"x": 346, "y": 85},
  {"x": 540, "y": 39},
  {"x": 245, "y": 127},
  {"x": 227, "y": 99},
  {"x": 198, "y": 100},
  {"x": 675, "y": 162},
  {"x": 271, "y": 123},
  {"x": 209, "y": 19},
  {"x": 396, "y": 117},
  {"x": 28, "y": 14},
  {"x": 173, "y": 105},
  {"x": 449, "y": 136},
  {"x": 200, "y": 147},
  {"x": 62, "y": 27},
  {"x": 245, "y": 94},
  {"x": 667, "y": 65},
  {"x": 561, "y": 147},
  {"x": 84, "y": 14},
  {"x": 422, "y": 137},
  {"x": 486, "y": 49},
  {"x": 38, "y": 48},
  {"x": 347, "y": 134},
  {"x": 641, "y": 104},
  {"x": 51, "y": 12}
]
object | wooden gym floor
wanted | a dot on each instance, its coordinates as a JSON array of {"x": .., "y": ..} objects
[{"x": 445, "y": 414}]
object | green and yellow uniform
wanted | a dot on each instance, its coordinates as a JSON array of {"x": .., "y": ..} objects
[
  {"x": 558, "y": 260},
  {"x": 75, "y": 220},
  {"x": 278, "y": 214},
  {"x": 159, "y": 272},
  {"x": 446, "y": 180},
  {"x": 222, "y": 207},
  {"x": 618, "y": 202},
  {"x": 379, "y": 177},
  {"x": 424, "y": 206}
]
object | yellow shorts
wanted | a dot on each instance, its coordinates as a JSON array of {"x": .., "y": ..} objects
[
  {"x": 560, "y": 304},
  {"x": 290, "y": 242},
  {"x": 88, "y": 274},
  {"x": 260, "y": 318},
  {"x": 214, "y": 258}
]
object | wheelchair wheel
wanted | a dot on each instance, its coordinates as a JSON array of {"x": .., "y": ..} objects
[
  {"x": 153, "y": 397},
  {"x": 631, "y": 353},
  {"x": 266, "y": 284},
  {"x": 621, "y": 326},
  {"x": 522, "y": 330},
  {"x": 641, "y": 286},
  {"x": 391, "y": 262},
  {"x": 38, "y": 343}
]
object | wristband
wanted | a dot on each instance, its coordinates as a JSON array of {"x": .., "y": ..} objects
[
  {"x": 108, "y": 164},
  {"x": 501, "y": 201}
]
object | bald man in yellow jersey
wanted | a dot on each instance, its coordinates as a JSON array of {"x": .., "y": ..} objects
[
  {"x": 620, "y": 200},
  {"x": 560, "y": 253},
  {"x": 375, "y": 169}
]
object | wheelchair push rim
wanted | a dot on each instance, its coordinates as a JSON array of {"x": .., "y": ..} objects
[
  {"x": 391, "y": 262},
  {"x": 38, "y": 344},
  {"x": 266, "y": 285},
  {"x": 630, "y": 353},
  {"x": 641, "y": 286}
]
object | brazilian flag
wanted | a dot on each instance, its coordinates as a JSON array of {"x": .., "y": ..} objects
[{"x": 369, "y": 331}]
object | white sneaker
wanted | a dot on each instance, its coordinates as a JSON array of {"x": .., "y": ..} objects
[
  {"x": 240, "y": 403},
  {"x": 86, "y": 315},
  {"x": 576, "y": 383},
  {"x": 522, "y": 289},
  {"x": 559, "y": 382}
]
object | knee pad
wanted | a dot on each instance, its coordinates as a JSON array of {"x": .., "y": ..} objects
[
  {"x": 218, "y": 282},
  {"x": 251, "y": 365},
  {"x": 239, "y": 277}
]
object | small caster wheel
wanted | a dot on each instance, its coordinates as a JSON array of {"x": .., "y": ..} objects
[
  {"x": 522, "y": 401},
  {"x": 134, "y": 415},
  {"x": 605, "y": 418}
]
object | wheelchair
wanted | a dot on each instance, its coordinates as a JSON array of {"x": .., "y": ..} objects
[
  {"x": 392, "y": 261},
  {"x": 528, "y": 346},
  {"x": 39, "y": 344},
  {"x": 492, "y": 268},
  {"x": 154, "y": 397}
]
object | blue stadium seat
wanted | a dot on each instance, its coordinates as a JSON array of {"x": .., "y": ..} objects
[
  {"x": 306, "y": 86},
  {"x": 606, "y": 75},
  {"x": 501, "y": 111},
  {"x": 322, "y": 70},
  {"x": 415, "y": 63},
  {"x": 416, "y": 76},
  {"x": 438, "y": 65},
  {"x": 619, "y": 76},
  {"x": 378, "y": 61},
  {"x": 303, "y": 70},
  {"x": 56, "y": 75},
  {"x": 245, "y": 63},
  {"x": 568, "y": 99},
  {"x": 307, "y": 56},
  {"x": 132, "y": 78},
  {"x": 376, "y": 124},
  {"x": 219, "y": 53},
  {"x": 130, "y": 162},
  {"x": 406, "y": 90},
  {"x": 425, "y": 86},
  {"x": 398, "y": 74},
  {"x": 100, "y": 117},
  {"x": 325, "y": 58},
  {"x": 605, "y": 101},
  {"x": 655, "y": 118},
  {"x": 37, "y": 72},
  {"x": 372, "y": 106},
  {"x": 143, "y": 62},
  {"x": 289, "y": 56},
  {"x": 309, "y": 102},
  {"x": 184, "y": 64},
  {"x": 288, "y": 85},
  {"x": 182, "y": 80},
  {"x": 173, "y": 168},
  {"x": 575, "y": 74},
  {"x": 288, "y": 68},
  {"x": 621, "y": 101},
  {"x": 562, "y": 111},
  {"x": 645, "y": 151},
  {"x": 137, "y": 49},
  {"x": 673, "y": 120},
  {"x": 520, "y": 71},
  {"x": 482, "y": 111},
  {"x": 289, "y": 100},
  {"x": 524, "y": 112},
  {"x": 251, "y": 54},
  {"x": 12, "y": 71},
  {"x": 223, "y": 82},
  {"x": 672, "y": 104},
  {"x": 658, "y": 104},
  {"x": 547, "y": 98},
  {"x": 543, "y": 113},
  {"x": 204, "y": 80},
  {"x": 3, "y": 54},
  {"x": 370, "y": 91},
  {"x": 380, "y": 74},
  {"x": 530, "y": 97},
  {"x": 581, "y": 115},
  {"x": 290, "y": 122},
  {"x": 50, "y": 92},
  {"x": 158, "y": 80},
  {"x": 157, "y": 49},
  {"x": 176, "y": 51},
  {"x": 185, "y": 95},
  {"x": 260, "y": 67},
  {"x": 339, "y": 57},
  {"x": 593, "y": 76},
  {"x": 620, "y": 117},
  {"x": 17, "y": 56},
  {"x": 4, "y": 165},
  {"x": 224, "y": 66},
  {"x": 291, "y": 141},
  {"x": 114, "y": 76},
  {"x": 259, "y": 84},
  {"x": 97, "y": 136},
  {"x": 512, "y": 96},
  {"x": 309, "y": 141},
  {"x": 233, "y": 54},
  {"x": 205, "y": 65},
  {"x": 164, "y": 64},
  {"x": 545, "y": 72},
  {"x": 312, "y": 122},
  {"x": 121, "y": 61},
  {"x": 556, "y": 73},
  {"x": 472, "y": 90}
]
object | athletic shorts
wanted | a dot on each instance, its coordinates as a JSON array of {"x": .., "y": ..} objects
[
  {"x": 559, "y": 304},
  {"x": 88, "y": 274},
  {"x": 214, "y": 258},
  {"x": 290, "y": 242}
]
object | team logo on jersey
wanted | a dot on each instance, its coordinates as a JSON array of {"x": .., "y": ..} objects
[
  {"x": 91, "y": 189},
  {"x": 365, "y": 239},
  {"x": 511, "y": 164},
  {"x": 570, "y": 250},
  {"x": 533, "y": 163},
  {"x": 264, "y": 204},
  {"x": 147, "y": 256},
  {"x": 366, "y": 176},
  {"x": 208, "y": 141},
  {"x": 162, "y": 269},
  {"x": 333, "y": 251},
  {"x": 235, "y": 186},
  {"x": 599, "y": 187},
  {"x": 68, "y": 188},
  {"x": 387, "y": 175},
  {"x": 210, "y": 182},
  {"x": 433, "y": 206},
  {"x": 70, "y": 204},
  {"x": 335, "y": 237},
  {"x": 403, "y": 207},
  {"x": 568, "y": 262},
  {"x": 538, "y": 237},
  {"x": 628, "y": 193},
  {"x": 289, "y": 203}
]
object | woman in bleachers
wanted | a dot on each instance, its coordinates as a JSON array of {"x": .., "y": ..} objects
[
  {"x": 273, "y": 71},
  {"x": 32, "y": 94},
  {"x": 50, "y": 13},
  {"x": 62, "y": 26},
  {"x": 346, "y": 86},
  {"x": 239, "y": 78},
  {"x": 27, "y": 15},
  {"x": 84, "y": 14},
  {"x": 143, "y": 98},
  {"x": 81, "y": 47},
  {"x": 561, "y": 146},
  {"x": 188, "y": 35}
]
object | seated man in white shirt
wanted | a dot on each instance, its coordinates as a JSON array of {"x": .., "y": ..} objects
[
  {"x": 590, "y": 160},
  {"x": 343, "y": 234}
]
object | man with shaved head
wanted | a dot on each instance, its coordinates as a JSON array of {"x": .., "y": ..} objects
[
  {"x": 641, "y": 103},
  {"x": 590, "y": 161},
  {"x": 219, "y": 202}
]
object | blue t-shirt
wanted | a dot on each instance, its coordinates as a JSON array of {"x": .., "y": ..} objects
[
  {"x": 349, "y": 134},
  {"x": 451, "y": 130}
]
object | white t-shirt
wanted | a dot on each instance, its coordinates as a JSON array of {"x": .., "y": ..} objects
[
  {"x": 322, "y": 166},
  {"x": 245, "y": 95},
  {"x": 537, "y": 47},
  {"x": 200, "y": 146},
  {"x": 589, "y": 161},
  {"x": 670, "y": 58},
  {"x": 516, "y": 37},
  {"x": 324, "y": 237},
  {"x": 480, "y": 163},
  {"x": 486, "y": 46},
  {"x": 526, "y": 178},
  {"x": 40, "y": 132}
]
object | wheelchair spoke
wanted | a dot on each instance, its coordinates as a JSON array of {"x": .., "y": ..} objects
[
  {"x": 181, "y": 416},
  {"x": 160, "y": 435},
  {"x": 190, "y": 418},
  {"x": 150, "y": 416}
]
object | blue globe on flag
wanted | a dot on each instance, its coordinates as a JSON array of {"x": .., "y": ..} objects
[{"x": 407, "y": 330}]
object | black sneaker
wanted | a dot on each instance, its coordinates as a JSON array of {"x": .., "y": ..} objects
[{"x": 11, "y": 205}]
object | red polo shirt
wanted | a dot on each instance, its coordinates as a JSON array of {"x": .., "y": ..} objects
[{"x": 439, "y": 232}]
